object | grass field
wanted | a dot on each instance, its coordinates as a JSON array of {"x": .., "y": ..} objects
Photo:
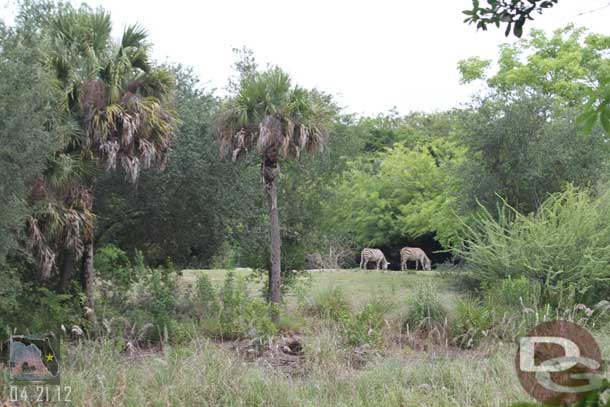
[
  {"x": 358, "y": 285},
  {"x": 210, "y": 373}
]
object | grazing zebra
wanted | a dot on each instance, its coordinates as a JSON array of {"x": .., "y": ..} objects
[
  {"x": 373, "y": 255},
  {"x": 414, "y": 253}
]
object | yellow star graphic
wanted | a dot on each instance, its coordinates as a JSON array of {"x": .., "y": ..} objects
[{"x": 49, "y": 357}]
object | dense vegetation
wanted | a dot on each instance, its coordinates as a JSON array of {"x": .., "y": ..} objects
[{"x": 119, "y": 173}]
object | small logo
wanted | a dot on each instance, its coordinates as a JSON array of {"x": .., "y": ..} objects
[
  {"x": 559, "y": 363},
  {"x": 34, "y": 360}
]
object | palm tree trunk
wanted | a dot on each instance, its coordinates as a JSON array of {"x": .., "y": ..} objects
[
  {"x": 67, "y": 267},
  {"x": 89, "y": 272},
  {"x": 271, "y": 171}
]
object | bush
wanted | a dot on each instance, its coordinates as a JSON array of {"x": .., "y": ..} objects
[
  {"x": 112, "y": 264},
  {"x": 157, "y": 298},
  {"x": 331, "y": 303},
  {"x": 424, "y": 310},
  {"x": 513, "y": 294},
  {"x": 471, "y": 323},
  {"x": 564, "y": 247},
  {"x": 239, "y": 316},
  {"x": 39, "y": 310},
  {"x": 366, "y": 326},
  {"x": 206, "y": 302}
]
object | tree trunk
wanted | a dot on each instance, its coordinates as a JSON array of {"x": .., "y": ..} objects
[
  {"x": 67, "y": 268},
  {"x": 89, "y": 272},
  {"x": 271, "y": 171}
]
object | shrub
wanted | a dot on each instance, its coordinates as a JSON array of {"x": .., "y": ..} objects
[
  {"x": 365, "y": 326},
  {"x": 157, "y": 298},
  {"x": 513, "y": 294},
  {"x": 471, "y": 323},
  {"x": 112, "y": 264},
  {"x": 239, "y": 315},
  {"x": 206, "y": 302},
  {"x": 330, "y": 303},
  {"x": 424, "y": 310},
  {"x": 564, "y": 247}
]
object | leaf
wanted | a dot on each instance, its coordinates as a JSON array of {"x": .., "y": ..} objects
[
  {"x": 587, "y": 120},
  {"x": 518, "y": 31},
  {"x": 604, "y": 119}
]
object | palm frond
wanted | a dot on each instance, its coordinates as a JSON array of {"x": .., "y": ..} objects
[
  {"x": 134, "y": 36},
  {"x": 274, "y": 116}
]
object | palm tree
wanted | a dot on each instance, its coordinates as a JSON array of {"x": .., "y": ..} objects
[
  {"x": 277, "y": 120},
  {"x": 120, "y": 108}
]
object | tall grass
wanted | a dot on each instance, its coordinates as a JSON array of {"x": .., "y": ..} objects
[{"x": 203, "y": 374}]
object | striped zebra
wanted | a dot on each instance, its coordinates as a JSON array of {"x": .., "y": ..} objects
[
  {"x": 373, "y": 255},
  {"x": 414, "y": 253}
]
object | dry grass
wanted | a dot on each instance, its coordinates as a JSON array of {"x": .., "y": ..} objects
[{"x": 207, "y": 373}]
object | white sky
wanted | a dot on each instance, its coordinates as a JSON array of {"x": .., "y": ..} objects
[{"x": 372, "y": 55}]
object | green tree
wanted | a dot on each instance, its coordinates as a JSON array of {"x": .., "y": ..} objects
[
  {"x": 400, "y": 194},
  {"x": 29, "y": 127},
  {"x": 278, "y": 120},
  {"x": 120, "y": 106},
  {"x": 523, "y": 147},
  {"x": 29, "y": 133},
  {"x": 169, "y": 211},
  {"x": 569, "y": 64}
]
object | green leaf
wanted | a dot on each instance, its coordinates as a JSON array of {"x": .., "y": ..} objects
[
  {"x": 588, "y": 120},
  {"x": 604, "y": 119}
]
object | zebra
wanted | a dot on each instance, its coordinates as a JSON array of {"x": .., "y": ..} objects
[
  {"x": 417, "y": 254},
  {"x": 373, "y": 255}
]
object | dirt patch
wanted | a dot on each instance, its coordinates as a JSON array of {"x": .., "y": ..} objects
[{"x": 284, "y": 354}]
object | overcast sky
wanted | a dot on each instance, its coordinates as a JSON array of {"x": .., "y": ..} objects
[{"x": 372, "y": 55}]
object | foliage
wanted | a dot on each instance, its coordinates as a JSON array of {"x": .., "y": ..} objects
[
  {"x": 471, "y": 322},
  {"x": 241, "y": 316},
  {"x": 112, "y": 264},
  {"x": 157, "y": 299},
  {"x": 513, "y": 294},
  {"x": 568, "y": 64},
  {"x": 330, "y": 303},
  {"x": 513, "y": 13},
  {"x": 425, "y": 311},
  {"x": 277, "y": 120},
  {"x": 298, "y": 124},
  {"x": 563, "y": 246},
  {"x": 32, "y": 309},
  {"x": 118, "y": 109},
  {"x": 365, "y": 326},
  {"x": 30, "y": 125},
  {"x": 523, "y": 147},
  {"x": 196, "y": 195},
  {"x": 402, "y": 194},
  {"x": 206, "y": 297}
]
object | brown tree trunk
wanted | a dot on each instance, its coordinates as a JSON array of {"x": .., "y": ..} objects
[
  {"x": 271, "y": 171},
  {"x": 89, "y": 272},
  {"x": 67, "y": 267}
]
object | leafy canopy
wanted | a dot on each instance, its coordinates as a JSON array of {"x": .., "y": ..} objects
[{"x": 401, "y": 193}]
